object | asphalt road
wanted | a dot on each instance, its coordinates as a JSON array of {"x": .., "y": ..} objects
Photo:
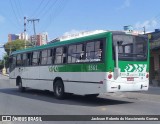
[{"x": 35, "y": 102}]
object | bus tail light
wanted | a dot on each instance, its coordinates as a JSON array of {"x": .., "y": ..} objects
[
  {"x": 109, "y": 76},
  {"x": 147, "y": 75}
]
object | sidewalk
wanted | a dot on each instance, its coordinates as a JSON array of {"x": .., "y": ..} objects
[
  {"x": 152, "y": 90},
  {"x": 152, "y": 95},
  {"x": 4, "y": 77},
  {"x": 7, "y": 75}
]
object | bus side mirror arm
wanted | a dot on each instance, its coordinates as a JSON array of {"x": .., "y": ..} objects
[{"x": 116, "y": 69}]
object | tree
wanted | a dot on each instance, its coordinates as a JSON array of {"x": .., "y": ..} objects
[
  {"x": 1, "y": 65},
  {"x": 9, "y": 47},
  {"x": 4, "y": 61},
  {"x": 16, "y": 45}
]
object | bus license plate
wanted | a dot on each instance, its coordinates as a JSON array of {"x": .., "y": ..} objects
[{"x": 130, "y": 78}]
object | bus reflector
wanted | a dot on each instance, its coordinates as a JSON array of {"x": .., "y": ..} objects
[
  {"x": 147, "y": 75},
  {"x": 109, "y": 76},
  {"x": 101, "y": 82}
]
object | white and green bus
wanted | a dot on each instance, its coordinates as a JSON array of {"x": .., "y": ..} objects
[{"x": 109, "y": 61}]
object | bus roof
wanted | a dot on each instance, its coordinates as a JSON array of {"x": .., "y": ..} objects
[
  {"x": 57, "y": 42},
  {"x": 65, "y": 42}
]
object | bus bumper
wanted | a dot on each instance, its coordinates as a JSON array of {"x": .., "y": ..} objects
[{"x": 132, "y": 86}]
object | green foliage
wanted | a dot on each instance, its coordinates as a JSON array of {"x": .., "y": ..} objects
[
  {"x": 1, "y": 64},
  {"x": 16, "y": 45},
  {"x": 4, "y": 61},
  {"x": 9, "y": 47}
]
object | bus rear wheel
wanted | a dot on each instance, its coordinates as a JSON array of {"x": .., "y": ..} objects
[
  {"x": 59, "y": 89},
  {"x": 20, "y": 87}
]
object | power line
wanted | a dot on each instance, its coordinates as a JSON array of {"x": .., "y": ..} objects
[
  {"x": 38, "y": 11},
  {"x": 18, "y": 10},
  {"x": 42, "y": 10},
  {"x": 53, "y": 9},
  {"x": 35, "y": 11},
  {"x": 56, "y": 12},
  {"x": 20, "y": 6},
  {"x": 10, "y": 20},
  {"x": 14, "y": 11},
  {"x": 50, "y": 8}
]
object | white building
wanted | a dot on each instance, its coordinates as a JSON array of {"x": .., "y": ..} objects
[
  {"x": 23, "y": 36},
  {"x": 40, "y": 39}
]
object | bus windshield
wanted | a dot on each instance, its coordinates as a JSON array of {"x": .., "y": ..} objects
[{"x": 131, "y": 47}]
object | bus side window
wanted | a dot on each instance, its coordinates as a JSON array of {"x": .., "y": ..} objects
[
  {"x": 50, "y": 55},
  {"x": 44, "y": 57},
  {"x": 58, "y": 55},
  {"x": 94, "y": 50},
  {"x": 53, "y": 55},
  {"x": 72, "y": 54},
  {"x": 39, "y": 57},
  {"x": 29, "y": 59},
  {"x": 98, "y": 49},
  {"x": 75, "y": 53},
  {"x": 24, "y": 62},
  {"x": 80, "y": 52},
  {"x": 19, "y": 60},
  {"x": 36, "y": 58},
  {"x": 90, "y": 50},
  {"x": 12, "y": 63},
  {"x": 64, "y": 54}
]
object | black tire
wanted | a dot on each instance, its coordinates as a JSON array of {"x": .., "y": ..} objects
[
  {"x": 20, "y": 87},
  {"x": 59, "y": 89},
  {"x": 91, "y": 95}
]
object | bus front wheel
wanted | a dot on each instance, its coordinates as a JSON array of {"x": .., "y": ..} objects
[
  {"x": 59, "y": 89},
  {"x": 20, "y": 87}
]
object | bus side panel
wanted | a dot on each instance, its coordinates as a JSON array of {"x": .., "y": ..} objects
[
  {"x": 32, "y": 78},
  {"x": 85, "y": 82}
]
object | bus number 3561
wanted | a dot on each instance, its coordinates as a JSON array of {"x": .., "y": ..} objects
[{"x": 92, "y": 68}]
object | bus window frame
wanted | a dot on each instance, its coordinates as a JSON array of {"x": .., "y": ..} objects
[
  {"x": 11, "y": 62},
  {"x": 62, "y": 55},
  {"x": 76, "y": 50},
  {"x": 38, "y": 58},
  {"x": 103, "y": 40},
  {"x": 21, "y": 59},
  {"x": 129, "y": 58},
  {"x": 52, "y": 50}
]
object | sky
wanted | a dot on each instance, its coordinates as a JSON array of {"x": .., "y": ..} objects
[{"x": 60, "y": 17}]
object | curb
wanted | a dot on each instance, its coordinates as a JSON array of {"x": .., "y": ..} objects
[{"x": 7, "y": 75}]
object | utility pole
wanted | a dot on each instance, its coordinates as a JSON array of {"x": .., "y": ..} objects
[
  {"x": 25, "y": 32},
  {"x": 144, "y": 30},
  {"x": 33, "y": 20}
]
